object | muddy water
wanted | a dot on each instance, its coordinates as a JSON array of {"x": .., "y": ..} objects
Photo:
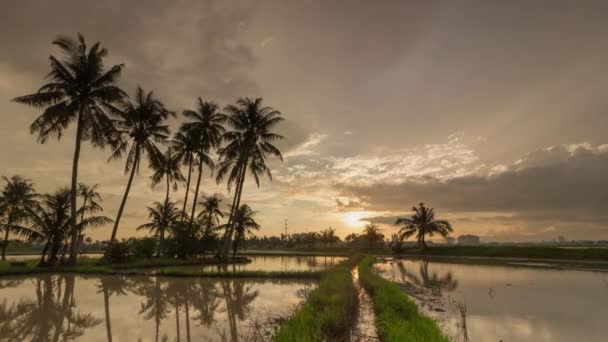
[
  {"x": 494, "y": 303},
  {"x": 365, "y": 327},
  {"x": 120, "y": 308}
]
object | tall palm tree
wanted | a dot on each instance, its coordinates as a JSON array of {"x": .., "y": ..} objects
[
  {"x": 80, "y": 89},
  {"x": 210, "y": 214},
  {"x": 161, "y": 216},
  {"x": 184, "y": 145},
  {"x": 91, "y": 204},
  {"x": 249, "y": 142},
  {"x": 423, "y": 223},
  {"x": 206, "y": 126},
  {"x": 168, "y": 168},
  {"x": 143, "y": 124},
  {"x": 16, "y": 198},
  {"x": 244, "y": 224},
  {"x": 372, "y": 233}
]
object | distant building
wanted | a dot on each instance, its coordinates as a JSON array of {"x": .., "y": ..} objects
[
  {"x": 450, "y": 240},
  {"x": 468, "y": 240}
]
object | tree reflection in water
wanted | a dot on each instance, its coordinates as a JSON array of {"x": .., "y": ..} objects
[
  {"x": 51, "y": 316},
  {"x": 49, "y": 311},
  {"x": 426, "y": 279}
]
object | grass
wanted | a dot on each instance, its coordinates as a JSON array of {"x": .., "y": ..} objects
[
  {"x": 397, "y": 317},
  {"x": 329, "y": 312},
  {"x": 170, "y": 268},
  {"x": 531, "y": 252}
]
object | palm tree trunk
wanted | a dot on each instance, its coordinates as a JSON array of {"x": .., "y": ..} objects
[
  {"x": 228, "y": 237},
  {"x": 187, "y": 309},
  {"x": 80, "y": 235},
  {"x": 106, "y": 305},
  {"x": 44, "y": 250},
  {"x": 73, "y": 226},
  {"x": 122, "y": 205},
  {"x": 187, "y": 189},
  {"x": 198, "y": 184},
  {"x": 177, "y": 320},
  {"x": 424, "y": 242},
  {"x": 5, "y": 242},
  {"x": 161, "y": 243}
]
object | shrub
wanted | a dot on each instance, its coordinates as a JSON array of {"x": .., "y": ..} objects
[
  {"x": 120, "y": 252},
  {"x": 143, "y": 248}
]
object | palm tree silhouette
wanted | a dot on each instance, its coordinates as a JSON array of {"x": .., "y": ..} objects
[
  {"x": 80, "y": 90},
  {"x": 206, "y": 130},
  {"x": 143, "y": 123},
  {"x": 91, "y": 204},
  {"x": 423, "y": 223},
  {"x": 15, "y": 200},
  {"x": 109, "y": 286},
  {"x": 168, "y": 168},
  {"x": 161, "y": 216},
  {"x": 372, "y": 233},
  {"x": 244, "y": 224},
  {"x": 210, "y": 214},
  {"x": 155, "y": 304},
  {"x": 184, "y": 146},
  {"x": 248, "y": 144}
]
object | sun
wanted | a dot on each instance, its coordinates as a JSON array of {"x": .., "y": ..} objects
[{"x": 353, "y": 218}]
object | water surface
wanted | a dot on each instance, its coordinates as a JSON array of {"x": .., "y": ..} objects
[
  {"x": 494, "y": 303},
  {"x": 276, "y": 263},
  {"x": 127, "y": 308}
]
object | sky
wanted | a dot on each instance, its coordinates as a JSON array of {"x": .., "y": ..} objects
[{"x": 495, "y": 113}]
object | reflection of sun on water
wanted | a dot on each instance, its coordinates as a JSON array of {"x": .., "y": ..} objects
[{"x": 353, "y": 218}]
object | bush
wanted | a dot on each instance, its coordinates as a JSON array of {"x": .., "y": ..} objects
[
  {"x": 120, "y": 252},
  {"x": 143, "y": 248}
]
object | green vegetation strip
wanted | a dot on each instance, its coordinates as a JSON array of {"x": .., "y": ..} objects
[
  {"x": 329, "y": 312},
  {"x": 89, "y": 266},
  {"x": 397, "y": 317},
  {"x": 532, "y": 252}
]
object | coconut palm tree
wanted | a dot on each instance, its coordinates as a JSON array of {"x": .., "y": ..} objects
[
  {"x": 79, "y": 90},
  {"x": 49, "y": 220},
  {"x": 206, "y": 128},
  {"x": 168, "y": 168},
  {"x": 16, "y": 198},
  {"x": 423, "y": 223},
  {"x": 161, "y": 216},
  {"x": 372, "y": 233},
  {"x": 142, "y": 122},
  {"x": 210, "y": 214},
  {"x": 249, "y": 142},
  {"x": 184, "y": 145},
  {"x": 91, "y": 204},
  {"x": 244, "y": 224}
]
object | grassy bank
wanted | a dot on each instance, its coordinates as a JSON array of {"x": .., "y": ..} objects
[
  {"x": 397, "y": 317},
  {"x": 528, "y": 252},
  {"x": 329, "y": 312},
  {"x": 164, "y": 267}
]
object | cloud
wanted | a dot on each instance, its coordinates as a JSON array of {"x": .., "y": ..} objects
[
  {"x": 307, "y": 147},
  {"x": 560, "y": 185}
]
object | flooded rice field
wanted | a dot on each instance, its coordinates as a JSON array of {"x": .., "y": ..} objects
[
  {"x": 506, "y": 303},
  {"x": 131, "y": 308}
]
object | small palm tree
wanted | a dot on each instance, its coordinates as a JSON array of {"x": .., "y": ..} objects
[
  {"x": 372, "y": 233},
  {"x": 143, "y": 123},
  {"x": 206, "y": 128},
  {"x": 210, "y": 214},
  {"x": 91, "y": 204},
  {"x": 244, "y": 224},
  {"x": 249, "y": 142},
  {"x": 82, "y": 91},
  {"x": 168, "y": 168},
  {"x": 161, "y": 216},
  {"x": 17, "y": 197},
  {"x": 423, "y": 223},
  {"x": 184, "y": 145}
]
